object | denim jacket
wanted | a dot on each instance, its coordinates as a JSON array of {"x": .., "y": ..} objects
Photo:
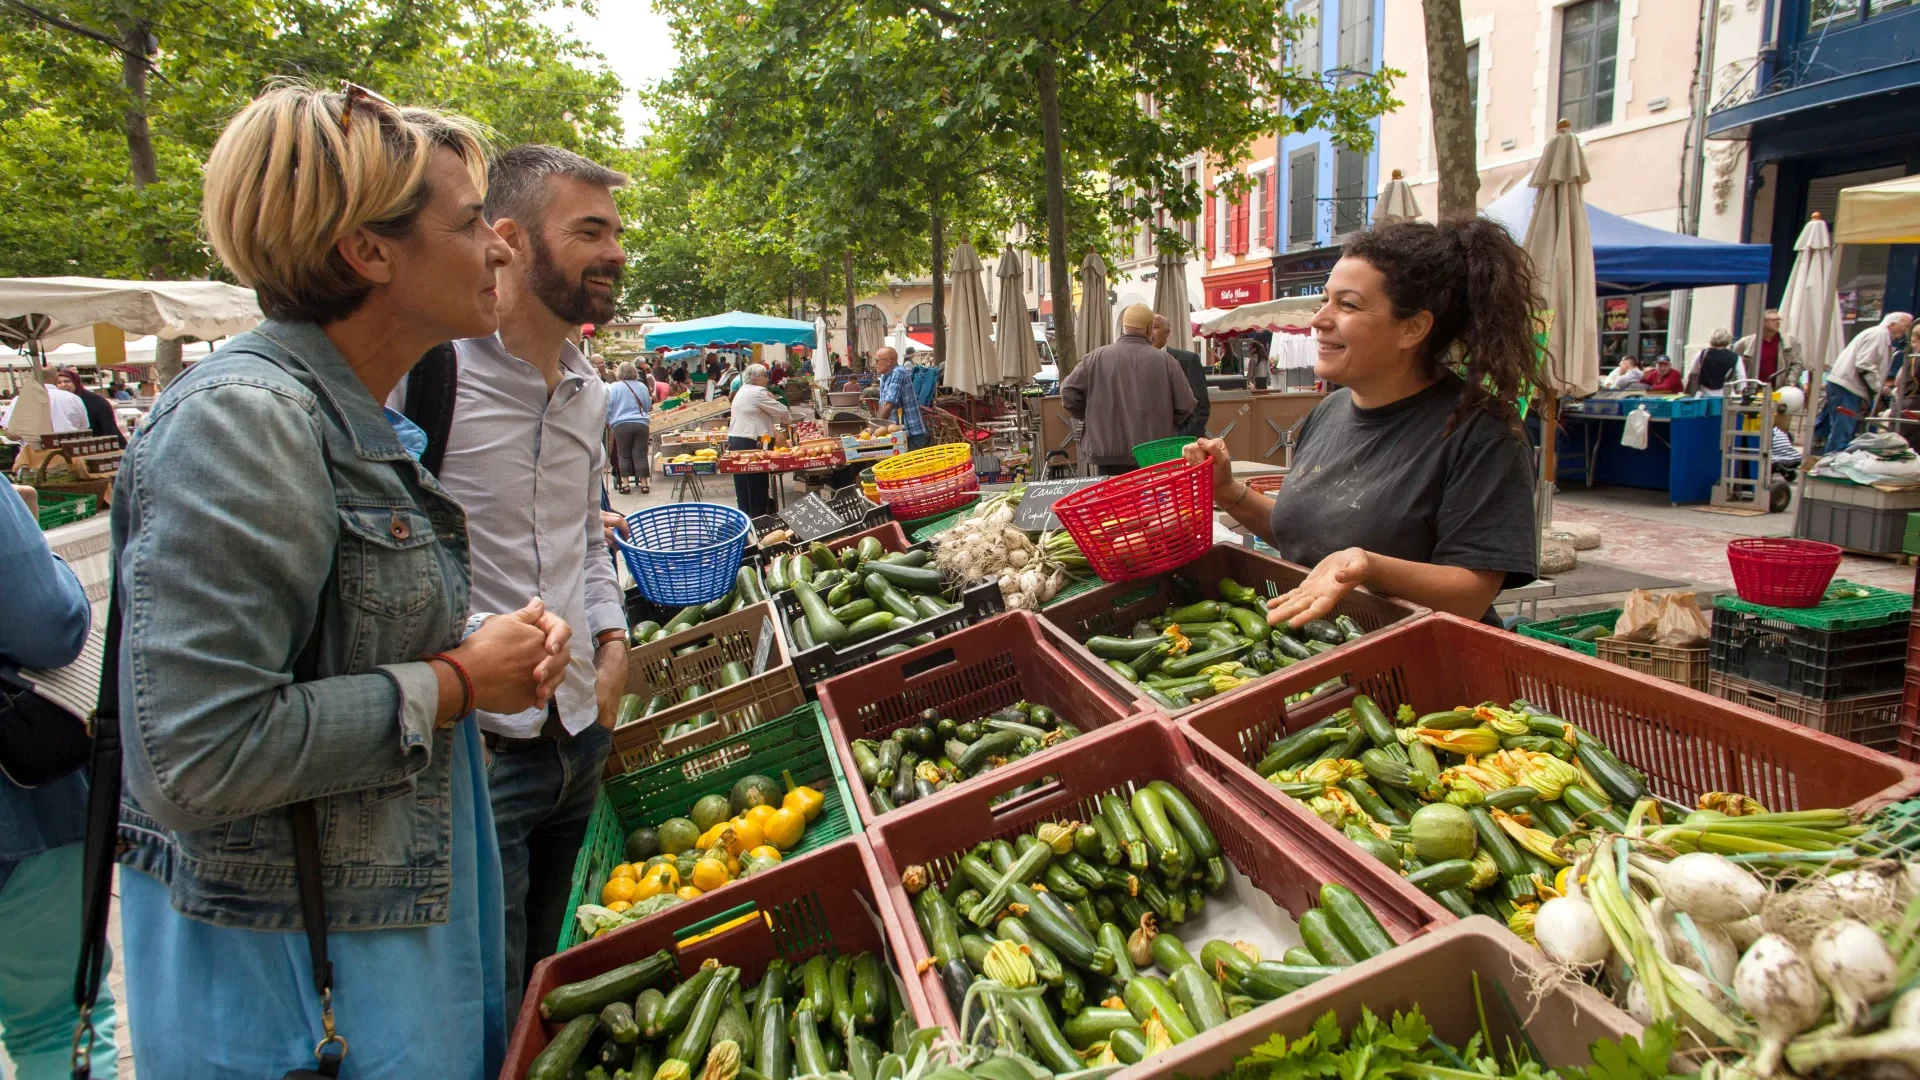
[{"x": 267, "y": 491}]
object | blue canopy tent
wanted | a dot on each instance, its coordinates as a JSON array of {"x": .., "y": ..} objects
[
  {"x": 1629, "y": 257},
  {"x": 732, "y": 328}
]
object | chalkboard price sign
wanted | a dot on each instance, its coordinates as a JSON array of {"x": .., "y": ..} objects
[
  {"x": 812, "y": 518},
  {"x": 1036, "y": 506}
]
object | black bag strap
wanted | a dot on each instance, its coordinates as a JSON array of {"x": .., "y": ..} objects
[
  {"x": 103, "y": 831},
  {"x": 432, "y": 386}
]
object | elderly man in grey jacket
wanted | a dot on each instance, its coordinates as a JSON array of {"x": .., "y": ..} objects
[{"x": 1128, "y": 393}]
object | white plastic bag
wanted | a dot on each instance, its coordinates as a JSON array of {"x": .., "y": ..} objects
[{"x": 1635, "y": 435}]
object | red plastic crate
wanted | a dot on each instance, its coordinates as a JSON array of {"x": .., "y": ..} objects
[
  {"x": 1434, "y": 973},
  {"x": 1686, "y": 742},
  {"x": 833, "y": 899},
  {"x": 1120, "y": 758},
  {"x": 967, "y": 674},
  {"x": 1113, "y": 609}
]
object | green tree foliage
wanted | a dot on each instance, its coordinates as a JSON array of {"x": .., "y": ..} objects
[{"x": 64, "y": 153}]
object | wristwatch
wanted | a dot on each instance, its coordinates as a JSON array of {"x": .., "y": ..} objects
[{"x": 607, "y": 635}]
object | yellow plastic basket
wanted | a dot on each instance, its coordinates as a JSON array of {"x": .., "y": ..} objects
[{"x": 923, "y": 462}]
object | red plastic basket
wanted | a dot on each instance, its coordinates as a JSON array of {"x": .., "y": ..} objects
[
  {"x": 1782, "y": 573},
  {"x": 1119, "y": 758},
  {"x": 924, "y": 496},
  {"x": 1686, "y": 742},
  {"x": 1143, "y": 522},
  {"x": 969, "y": 673},
  {"x": 833, "y": 899}
]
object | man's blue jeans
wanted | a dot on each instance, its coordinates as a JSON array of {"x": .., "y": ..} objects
[
  {"x": 40, "y": 908},
  {"x": 919, "y": 442},
  {"x": 542, "y": 796},
  {"x": 1834, "y": 429}
]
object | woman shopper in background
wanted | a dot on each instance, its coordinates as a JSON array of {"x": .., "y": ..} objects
[
  {"x": 1715, "y": 367},
  {"x": 295, "y": 589},
  {"x": 1415, "y": 477},
  {"x": 756, "y": 413},
  {"x": 629, "y": 403}
]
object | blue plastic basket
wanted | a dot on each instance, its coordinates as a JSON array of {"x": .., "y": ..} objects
[{"x": 685, "y": 553}]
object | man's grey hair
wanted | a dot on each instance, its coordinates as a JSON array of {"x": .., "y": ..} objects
[
  {"x": 628, "y": 372},
  {"x": 756, "y": 373},
  {"x": 1720, "y": 339},
  {"x": 517, "y": 179},
  {"x": 1160, "y": 321}
]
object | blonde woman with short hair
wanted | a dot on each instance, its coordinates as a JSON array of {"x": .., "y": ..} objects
[{"x": 297, "y": 636}]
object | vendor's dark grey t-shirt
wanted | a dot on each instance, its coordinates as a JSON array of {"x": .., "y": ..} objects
[{"x": 1393, "y": 481}]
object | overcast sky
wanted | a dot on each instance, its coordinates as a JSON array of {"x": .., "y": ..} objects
[{"x": 635, "y": 41}]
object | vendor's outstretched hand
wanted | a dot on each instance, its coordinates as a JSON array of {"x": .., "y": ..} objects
[
  {"x": 1199, "y": 450},
  {"x": 1314, "y": 598}
]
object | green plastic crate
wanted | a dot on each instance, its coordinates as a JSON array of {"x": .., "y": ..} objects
[
  {"x": 1159, "y": 450},
  {"x": 934, "y": 524},
  {"x": 797, "y": 742},
  {"x": 1560, "y": 631},
  {"x": 59, "y": 508},
  {"x": 1910, "y": 542},
  {"x": 1878, "y": 608},
  {"x": 1075, "y": 587}
]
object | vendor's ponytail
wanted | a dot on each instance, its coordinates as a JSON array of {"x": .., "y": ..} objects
[{"x": 1479, "y": 287}]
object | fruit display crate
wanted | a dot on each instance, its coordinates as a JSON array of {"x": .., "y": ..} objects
[
  {"x": 1801, "y": 652},
  {"x": 1119, "y": 759},
  {"x": 852, "y": 506},
  {"x": 1685, "y": 665},
  {"x": 814, "y": 666},
  {"x": 967, "y": 674},
  {"x": 833, "y": 900},
  {"x": 690, "y": 468},
  {"x": 1872, "y": 720},
  {"x": 1686, "y": 742},
  {"x": 59, "y": 508},
  {"x": 797, "y": 744},
  {"x": 888, "y": 532},
  {"x": 698, "y": 656},
  {"x": 1113, "y": 609},
  {"x": 1437, "y": 973},
  {"x": 1560, "y": 631},
  {"x": 875, "y": 449}
]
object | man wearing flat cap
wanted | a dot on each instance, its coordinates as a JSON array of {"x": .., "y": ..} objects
[{"x": 1128, "y": 393}]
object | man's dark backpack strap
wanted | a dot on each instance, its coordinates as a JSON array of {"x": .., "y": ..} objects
[{"x": 432, "y": 386}]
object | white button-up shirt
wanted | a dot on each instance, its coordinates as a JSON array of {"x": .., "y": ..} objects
[
  {"x": 527, "y": 469},
  {"x": 755, "y": 412}
]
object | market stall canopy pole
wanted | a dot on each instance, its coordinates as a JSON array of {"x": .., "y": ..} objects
[
  {"x": 969, "y": 324},
  {"x": 1810, "y": 312},
  {"x": 1561, "y": 248},
  {"x": 732, "y": 328},
  {"x": 822, "y": 362},
  {"x": 1016, "y": 356},
  {"x": 1170, "y": 299},
  {"x": 1396, "y": 202},
  {"x": 1093, "y": 323},
  {"x": 1883, "y": 213}
]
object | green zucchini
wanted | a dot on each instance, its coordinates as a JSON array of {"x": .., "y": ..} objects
[
  {"x": 1107, "y": 647},
  {"x": 815, "y": 995},
  {"x": 1224, "y": 961},
  {"x": 690, "y": 1045},
  {"x": 1114, "y": 940},
  {"x": 1050, "y": 920},
  {"x": 1174, "y": 858},
  {"x": 1125, "y": 829},
  {"x": 1192, "y": 664},
  {"x": 1323, "y": 941},
  {"x": 649, "y": 1010},
  {"x": 1147, "y": 995},
  {"x": 916, "y": 578},
  {"x": 751, "y": 588},
  {"x": 809, "y": 1055},
  {"x": 1324, "y": 632},
  {"x": 619, "y": 1024},
  {"x": 773, "y": 1056},
  {"x": 1268, "y": 980},
  {"x": 802, "y": 637},
  {"x": 589, "y": 996},
  {"x": 1300, "y": 745},
  {"x": 823, "y": 627},
  {"x": 1251, "y": 626},
  {"x": 980, "y": 752},
  {"x": 1621, "y": 784},
  {"x": 688, "y": 616},
  {"x": 840, "y": 991},
  {"x": 1353, "y": 922},
  {"x": 887, "y": 596},
  {"x": 1442, "y": 875},
  {"x": 1047, "y": 965},
  {"x": 632, "y": 707},
  {"x": 557, "y": 1060},
  {"x": 1121, "y": 669},
  {"x": 1374, "y": 722},
  {"x": 1348, "y": 628},
  {"x": 1200, "y": 839},
  {"x": 1198, "y": 995},
  {"x": 1095, "y": 1024},
  {"x": 1169, "y": 954},
  {"x": 1588, "y": 807},
  {"x": 868, "y": 990},
  {"x": 1289, "y": 646},
  {"x": 868, "y": 626},
  {"x": 1129, "y": 1045}
]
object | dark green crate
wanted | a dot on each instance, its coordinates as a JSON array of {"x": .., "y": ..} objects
[
  {"x": 1878, "y": 608},
  {"x": 797, "y": 742},
  {"x": 59, "y": 508},
  {"x": 1560, "y": 631}
]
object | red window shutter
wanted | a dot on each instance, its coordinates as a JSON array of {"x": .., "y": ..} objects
[
  {"x": 1240, "y": 221},
  {"x": 1211, "y": 202}
]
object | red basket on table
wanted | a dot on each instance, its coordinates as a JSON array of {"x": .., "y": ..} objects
[
  {"x": 1782, "y": 573},
  {"x": 1144, "y": 522},
  {"x": 925, "y": 496}
]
